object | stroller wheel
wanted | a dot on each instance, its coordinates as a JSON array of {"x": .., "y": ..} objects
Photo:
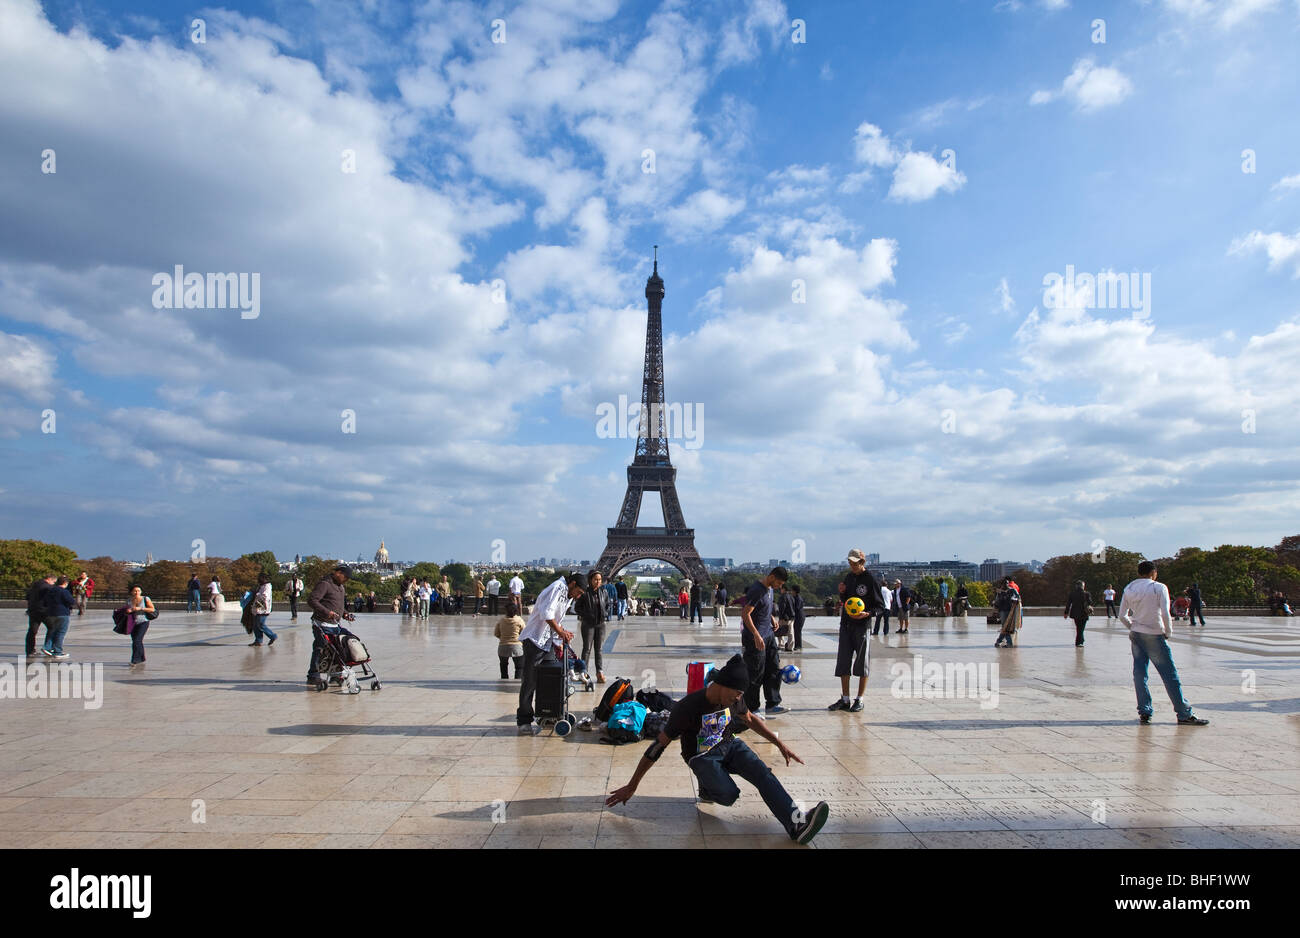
[
  {"x": 375, "y": 685},
  {"x": 563, "y": 728},
  {"x": 320, "y": 686}
]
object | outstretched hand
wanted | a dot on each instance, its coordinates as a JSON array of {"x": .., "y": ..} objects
[{"x": 620, "y": 796}]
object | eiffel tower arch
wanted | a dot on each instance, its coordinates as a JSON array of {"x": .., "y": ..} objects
[{"x": 652, "y": 469}]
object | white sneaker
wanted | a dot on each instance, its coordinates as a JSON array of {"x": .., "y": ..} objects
[{"x": 528, "y": 729}]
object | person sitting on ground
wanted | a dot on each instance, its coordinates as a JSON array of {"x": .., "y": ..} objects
[{"x": 706, "y": 721}]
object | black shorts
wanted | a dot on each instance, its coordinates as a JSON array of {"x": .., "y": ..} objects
[{"x": 854, "y": 656}]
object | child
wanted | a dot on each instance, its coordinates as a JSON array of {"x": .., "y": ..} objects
[{"x": 509, "y": 646}]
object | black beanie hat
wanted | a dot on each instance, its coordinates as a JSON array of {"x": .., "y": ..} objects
[{"x": 733, "y": 674}]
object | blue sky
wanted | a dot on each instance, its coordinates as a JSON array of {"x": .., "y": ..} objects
[{"x": 916, "y": 170}]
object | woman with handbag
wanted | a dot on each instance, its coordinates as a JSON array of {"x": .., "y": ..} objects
[
  {"x": 261, "y": 605},
  {"x": 1078, "y": 607},
  {"x": 140, "y": 612}
]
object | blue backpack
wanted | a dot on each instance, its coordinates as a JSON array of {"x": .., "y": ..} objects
[{"x": 625, "y": 722}]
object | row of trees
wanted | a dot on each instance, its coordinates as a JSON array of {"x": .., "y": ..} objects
[{"x": 1228, "y": 575}]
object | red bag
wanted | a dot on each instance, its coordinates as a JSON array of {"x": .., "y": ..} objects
[{"x": 697, "y": 675}]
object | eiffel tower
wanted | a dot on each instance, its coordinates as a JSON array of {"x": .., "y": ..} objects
[{"x": 652, "y": 470}]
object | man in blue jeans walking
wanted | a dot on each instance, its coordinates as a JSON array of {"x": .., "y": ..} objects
[
  {"x": 1144, "y": 610},
  {"x": 706, "y": 722}
]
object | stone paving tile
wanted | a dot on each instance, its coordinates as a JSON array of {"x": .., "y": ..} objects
[
  {"x": 832, "y": 841},
  {"x": 426, "y": 761},
  {"x": 972, "y": 840}
]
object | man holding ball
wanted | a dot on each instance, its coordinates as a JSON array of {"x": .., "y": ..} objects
[{"x": 855, "y": 648}]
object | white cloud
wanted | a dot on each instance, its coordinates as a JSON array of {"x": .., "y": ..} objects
[
  {"x": 1288, "y": 182},
  {"x": 1282, "y": 250},
  {"x": 704, "y": 211},
  {"x": 917, "y": 176},
  {"x": 740, "y": 36},
  {"x": 26, "y": 367},
  {"x": 1225, "y": 13},
  {"x": 1090, "y": 86}
]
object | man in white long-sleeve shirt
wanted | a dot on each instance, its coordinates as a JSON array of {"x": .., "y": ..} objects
[
  {"x": 541, "y": 632},
  {"x": 1144, "y": 610}
]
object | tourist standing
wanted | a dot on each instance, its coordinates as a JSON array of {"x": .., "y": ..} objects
[
  {"x": 370, "y": 602},
  {"x": 903, "y": 606},
  {"x": 1008, "y": 606},
  {"x": 294, "y": 589},
  {"x": 216, "y": 602},
  {"x": 621, "y": 588},
  {"x": 82, "y": 590},
  {"x": 886, "y": 603},
  {"x": 493, "y": 592},
  {"x": 961, "y": 602},
  {"x": 683, "y": 602},
  {"x": 516, "y": 587},
  {"x": 36, "y": 609},
  {"x": 139, "y": 612},
  {"x": 261, "y": 612},
  {"x": 697, "y": 609},
  {"x": 784, "y": 619},
  {"x": 854, "y": 654},
  {"x": 758, "y": 643},
  {"x": 590, "y": 608},
  {"x": 422, "y": 596},
  {"x": 59, "y": 603},
  {"x": 720, "y": 604},
  {"x": 1108, "y": 594},
  {"x": 195, "y": 588},
  {"x": 539, "y": 635},
  {"x": 1078, "y": 606},
  {"x": 509, "y": 648},
  {"x": 1144, "y": 610},
  {"x": 479, "y": 590},
  {"x": 1197, "y": 607}
]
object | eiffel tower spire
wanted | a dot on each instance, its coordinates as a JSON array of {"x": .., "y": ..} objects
[{"x": 652, "y": 469}]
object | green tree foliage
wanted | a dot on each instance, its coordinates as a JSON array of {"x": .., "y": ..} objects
[
  {"x": 460, "y": 576},
  {"x": 22, "y": 562},
  {"x": 266, "y": 562},
  {"x": 110, "y": 575},
  {"x": 165, "y": 578},
  {"x": 424, "y": 571}
]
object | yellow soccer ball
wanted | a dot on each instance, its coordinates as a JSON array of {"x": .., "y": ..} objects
[{"x": 855, "y": 607}]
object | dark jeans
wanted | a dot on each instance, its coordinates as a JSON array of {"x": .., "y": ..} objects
[
  {"x": 798, "y": 633},
  {"x": 764, "y": 672},
  {"x": 1196, "y": 610},
  {"x": 590, "y": 633},
  {"x": 55, "y": 628},
  {"x": 505, "y": 664},
  {"x": 731, "y": 757},
  {"x": 697, "y": 614},
  {"x": 195, "y": 602},
  {"x": 1110, "y": 608},
  {"x": 1079, "y": 626},
  {"x": 492, "y": 605},
  {"x": 533, "y": 654},
  {"x": 137, "y": 639},
  {"x": 293, "y": 607},
  {"x": 260, "y": 628},
  {"x": 33, "y": 629},
  {"x": 1154, "y": 649},
  {"x": 875, "y": 626}
]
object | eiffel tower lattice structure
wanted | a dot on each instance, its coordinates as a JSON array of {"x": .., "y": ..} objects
[{"x": 652, "y": 469}]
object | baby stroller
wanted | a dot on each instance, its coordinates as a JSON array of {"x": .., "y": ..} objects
[
  {"x": 557, "y": 680},
  {"x": 343, "y": 660}
]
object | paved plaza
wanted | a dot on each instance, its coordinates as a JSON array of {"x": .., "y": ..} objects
[{"x": 217, "y": 744}]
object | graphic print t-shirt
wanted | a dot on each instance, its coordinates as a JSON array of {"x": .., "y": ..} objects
[
  {"x": 700, "y": 725},
  {"x": 862, "y": 585}
]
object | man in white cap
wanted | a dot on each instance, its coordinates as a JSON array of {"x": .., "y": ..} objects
[{"x": 854, "y": 656}]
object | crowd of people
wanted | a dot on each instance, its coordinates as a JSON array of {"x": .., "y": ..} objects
[{"x": 705, "y": 721}]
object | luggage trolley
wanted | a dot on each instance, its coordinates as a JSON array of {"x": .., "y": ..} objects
[{"x": 557, "y": 681}]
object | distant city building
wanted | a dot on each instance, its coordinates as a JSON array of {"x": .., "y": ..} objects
[
  {"x": 718, "y": 562},
  {"x": 873, "y": 559}
]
